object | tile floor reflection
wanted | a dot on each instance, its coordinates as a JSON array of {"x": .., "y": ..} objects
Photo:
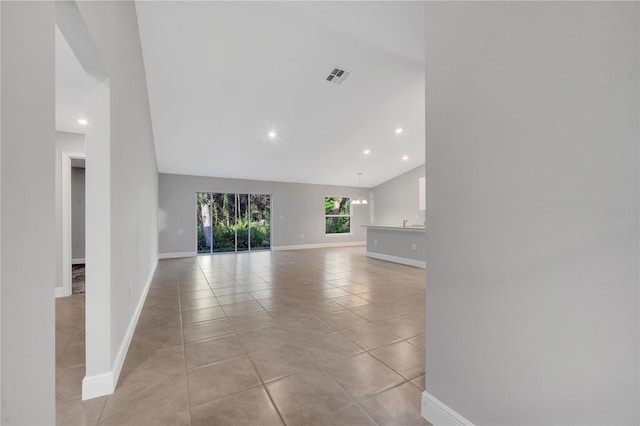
[{"x": 321, "y": 337}]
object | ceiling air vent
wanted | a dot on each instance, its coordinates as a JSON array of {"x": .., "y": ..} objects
[{"x": 337, "y": 75}]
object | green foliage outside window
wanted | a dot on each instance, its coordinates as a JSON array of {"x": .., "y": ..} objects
[
  {"x": 337, "y": 215},
  {"x": 217, "y": 224}
]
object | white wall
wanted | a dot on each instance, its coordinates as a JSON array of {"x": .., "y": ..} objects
[
  {"x": 133, "y": 180},
  {"x": 99, "y": 363},
  {"x": 532, "y": 211},
  {"x": 69, "y": 142},
  {"x": 0, "y": 217},
  {"x": 297, "y": 210},
  {"x": 397, "y": 199},
  {"x": 28, "y": 199}
]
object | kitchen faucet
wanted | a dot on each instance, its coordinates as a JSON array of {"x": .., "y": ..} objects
[{"x": 404, "y": 222}]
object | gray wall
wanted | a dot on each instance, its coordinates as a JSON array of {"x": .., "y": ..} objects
[
  {"x": 406, "y": 244},
  {"x": 71, "y": 142},
  {"x": 134, "y": 180},
  {"x": 297, "y": 210},
  {"x": 27, "y": 230},
  {"x": 532, "y": 233},
  {"x": 397, "y": 199},
  {"x": 77, "y": 212}
]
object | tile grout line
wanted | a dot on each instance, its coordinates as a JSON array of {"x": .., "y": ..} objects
[
  {"x": 405, "y": 380},
  {"x": 324, "y": 370},
  {"x": 312, "y": 314},
  {"x": 102, "y": 410},
  {"x": 356, "y": 402},
  {"x": 184, "y": 345},
  {"x": 234, "y": 333},
  {"x": 246, "y": 354},
  {"x": 109, "y": 396},
  {"x": 264, "y": 386}
]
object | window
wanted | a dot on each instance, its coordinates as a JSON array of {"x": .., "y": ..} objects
[
  {"x": 337, "y": 211},
  {"x": 232, "y": 222}
]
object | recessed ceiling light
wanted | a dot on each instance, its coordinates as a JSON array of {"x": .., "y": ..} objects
[
  {"x": 405, "y": 157},
  {"x": 83, "y": 121},
  {"x": 367, "y": 151},
  {"x": 399, "y": 130},
  {"x": 272, "y": 135}
]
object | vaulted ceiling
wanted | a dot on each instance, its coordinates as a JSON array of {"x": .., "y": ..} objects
[{"x": 223, "y": 75}]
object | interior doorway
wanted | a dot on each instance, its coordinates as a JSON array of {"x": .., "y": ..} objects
[
  {"x": 232, "y": 222},
  {"x": 73, "y": 223},
  {"x": 78, "y": 270}
]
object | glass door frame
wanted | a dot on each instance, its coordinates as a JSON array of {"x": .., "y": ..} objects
[{"x": 236, "y": 217}]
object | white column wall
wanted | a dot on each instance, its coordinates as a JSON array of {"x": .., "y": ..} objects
[
  {"x": 99, "y": 377},
  {"x": 532, "y": 167},
  {"x": 27, "y": 230}
]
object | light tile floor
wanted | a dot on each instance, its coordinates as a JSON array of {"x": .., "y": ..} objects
[{"x": 322, "y": 337}]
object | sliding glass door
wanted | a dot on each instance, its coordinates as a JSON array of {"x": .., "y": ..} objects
[
  {"x": 260, "y": 220},
  {"x": 204, "y": 234},
  {"x": 242, "y": 227},
  {"x": 228, "y": 222},
  {"x": 223, "y": 213}
]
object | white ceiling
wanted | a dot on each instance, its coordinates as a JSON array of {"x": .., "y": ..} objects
[
  {"x": 72, "y": 83},
  {"x": 221, "y": 75}
]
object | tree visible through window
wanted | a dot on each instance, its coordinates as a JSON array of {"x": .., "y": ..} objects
[
  {"x": 233, "y": 222},
  {"x": 337, "y": 212}
]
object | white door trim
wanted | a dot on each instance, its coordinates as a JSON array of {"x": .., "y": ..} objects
[{"x": 67, "y": 156}]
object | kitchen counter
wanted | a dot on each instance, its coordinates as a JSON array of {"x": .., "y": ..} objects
[
  {"x": 405, "y": 245},
  {"x": 397, "y": 228}
]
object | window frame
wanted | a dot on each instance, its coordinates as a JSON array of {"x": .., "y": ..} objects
[
  {"x": 350, "y": 215},
  {"x": 236, "y": 217}
]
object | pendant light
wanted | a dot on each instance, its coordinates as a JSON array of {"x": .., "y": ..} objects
[{"x": 359, "y": 200}]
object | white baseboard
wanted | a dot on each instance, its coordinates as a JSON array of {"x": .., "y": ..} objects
[
  {"x": 439, "y": 414},
  {"x": 118, "y": 362},
  {"x": 78, "y": 261},
  {"x": 319, "y": 245},
  {"x": 61, "y": 293},
  {"x": 97, "y": 385},
  {"x": 403, "y": 260},
  {"x": 105, "y": 383},
  {"x": 177, "y": 255}
]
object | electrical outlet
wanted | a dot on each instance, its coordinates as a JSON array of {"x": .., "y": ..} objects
[
  {"x": 302, "y": 236},
  {"x": 375, "y": 242},
  {"x": 413, "y": 246},
  {"x": 281, "y": 217}
]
